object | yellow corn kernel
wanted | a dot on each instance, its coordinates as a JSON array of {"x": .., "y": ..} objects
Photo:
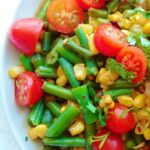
[
  {"x": 139, "y": 101},
  {"x": 146, "y": 134},
  {"x": 115, "y": 17},
  {"x": 80, "y": 71},
  {"x": 125, "y": 100},
  {"x": 77, "y": 127},
  {"x": 60, "y": 71},
  {"x": 15, "y": 71},
  {"x": 140, "y": 146},
  {"x": 62, "y": 80},
  {"x": 93, "y": 22},
  {"x": 138, "y": 129},
  {"x": 32, "y": 134},
  {"x": 41, "y": 130},
  {"x": 142, "y": 115},
  {"x": 104, "y": 87},
  {"x": 125, "y": 23},
  {"x": 63, "y": 108},
  {"x": 135, "y": 93},
  {"x": 92, "y": 47},
  {"x": 146, "y": 28},
  {"x": 87, "y": 28}
]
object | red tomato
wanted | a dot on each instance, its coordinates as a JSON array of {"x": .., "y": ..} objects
[
  {"x": 117, "y": 123},
  {"x": 25, "y": 33},
  {"x": 28, "y": 89},
  {"x": 109, "y": 40},
  {"x": 65, "y": 15},
  {"x": 133, "y": 59},
  {"x": 113, "y": 142},
  {"x": 86, "y": 4}
]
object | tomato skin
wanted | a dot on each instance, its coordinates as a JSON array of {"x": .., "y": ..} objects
[
  {"x": 136, "y": 56},
  {"x": 120, "y": 124},
  {"x": 113, "y": 142},
  {"x": 28, "y": 89},
  {"x": 25, "y": 33},
  {"x": 86, "y": 4},
  {"x": 65, "y": 15},
  {"x": 109, "y": 40}
]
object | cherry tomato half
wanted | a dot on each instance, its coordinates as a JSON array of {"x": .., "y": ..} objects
[
  {"x": 113, "y": 142},
  {"x": 86, "y": 4},
  {"x": 133, "y": 59},
  {"x": 25, "y": 33},
  {"x": 65, "y": 15},
  {"x": 117, "y": 123},
  {"x": 109, "y": 40},
  {"x": 28, "y": 89}
]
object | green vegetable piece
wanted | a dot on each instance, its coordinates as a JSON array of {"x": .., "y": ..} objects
[
  {"x": 93, "y": 95},
  {"x": 112, "y": 4},
  {"x": 130, "y": 144},
  {"x": 91, "y": 67},
  {"x": 51, "y": 148},
  {"x": 46, "y": 42},
  {"x": 97, "y": 13}
]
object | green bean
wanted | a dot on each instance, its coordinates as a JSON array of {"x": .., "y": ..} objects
[
  {"x": 78, "y": 49},
  {"x": 130, "y": 144},
  {"x": 93, "y": 95},
  {"x": 44, "y": 71},
  {"x": 68, "y": 69},
  {"x": 41, "y": 14},
  {"x": 100, "y": 21},
  {"x": 112, "y": 4},
  {"x": 65, "y": 141},
  {"x": 47, "y": 118},
  {"x": 118, "y": 92},
  {"x": 26, "y": 62},
  {"x": 91, "y": 67},
  {"x": 97, "y": 13},
  {"x": 88, "y": 110},
  {"x": 69, "y": 55},
  {"x": 58, "y": 91},
  {"x": 92, "y": 84},
  {"x": 128, "y": 13},
  {"x": 46, "y": 42},
  {"x": 36, "y": 114},
  {"x": 37, "y": 60},
  {"x": 63, "y": 121},
  {"x": 54, "y": 107},
  {"x": 82, "y": 37}
]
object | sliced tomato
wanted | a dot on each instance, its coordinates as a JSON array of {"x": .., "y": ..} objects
[
  {"x": 133, "y": 59},
  {"x": 25, "y": 33},
  {"x": 109, "y": 40},
  {"x": 65, "y": 15},
  {"x": 113, "y": 141},
  {"x": 119, "y": 123},
  {"x": 28, "y": 89},
  {"x": 86, "y": 4}
]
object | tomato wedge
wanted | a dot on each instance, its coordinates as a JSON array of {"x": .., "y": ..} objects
[
  {"x": 28, "y": 89},
  {"x": 86, "y": 4},
  {"x": 65, "y": 15},
  {"x": 117, "y": 123},
  {"x": 133, "y": 59},
  {"x": 109, "y": 40},
  {"x": 25, "y": 33}
]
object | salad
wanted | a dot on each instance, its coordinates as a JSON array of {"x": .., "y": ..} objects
[{"x": 85, "y": 74}]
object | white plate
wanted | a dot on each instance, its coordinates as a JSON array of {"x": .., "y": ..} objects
[{"x": 10, "y": 10}]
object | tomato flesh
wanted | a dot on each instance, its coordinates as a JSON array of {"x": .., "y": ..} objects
[
  {"x": 86, "y": 4},
  {"x": 28, "y": 89},
  {"x": 25, "y": 33},
  {"x": 109, "y": 40},
  {"x": 117, "y": 123},
  {"x": 133, "y": 59},
  {"x": 113, "y": 142},
  {"x": 65, "y": 15}
]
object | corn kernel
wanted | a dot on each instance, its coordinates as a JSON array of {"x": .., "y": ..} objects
[
  {"x": 60, "y": 71},
  {"x": 93, "y": 22},
  {"x": 63, "y": 108},
  {"x": 146, "y": 28},
  {"x": 115, "y": 17},
  {"x": 125, "y": 23},
  {"x": 139, "y": 101},
  {"x": 138, "y": 129},
  {"x": 62, "y": 80},
  {"x": 32, "y": 134},
  {"x": 142, "y": 115},
  {"x": 80, "y": 71},
  {"x": 87, "y": 28},
  {"x": 15, "y": 71},
  {"x": 41, "y": 130},
  {"x": 146, "y": 134},
  {"x": 125, "y": 100},
  {"x": 77, "y": 127}
]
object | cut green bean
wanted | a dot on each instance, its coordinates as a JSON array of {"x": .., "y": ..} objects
[
  {"x": 37, "y": 60},
  {"x": 97, "y": 13},
  {"x": 63, "y": 121},
  {"x": 85, "y": 53},
  {"x": 46, "y": 42},
  {"x": 130, "y": 144},
  {"x": 54, "y": 107},
  {"x": 69, "y": 55},
  {"x": 44, "y": 71},
  {"x": 112, "y": 4},
  {"x": 92, "y": 84},
  {"x": 87, "y": 108},
  {"x": 91, "y": 67},
  {"x": 93, "y": 95},
  {"x": 65, "y": 141},
  {"x": 100, "y": 21},
  {"x": 26, "y": 62},
  {"x": 58, "y": 91},
  {"x": 36, "y": 114},
  {"x": 68, "y": 69}
]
